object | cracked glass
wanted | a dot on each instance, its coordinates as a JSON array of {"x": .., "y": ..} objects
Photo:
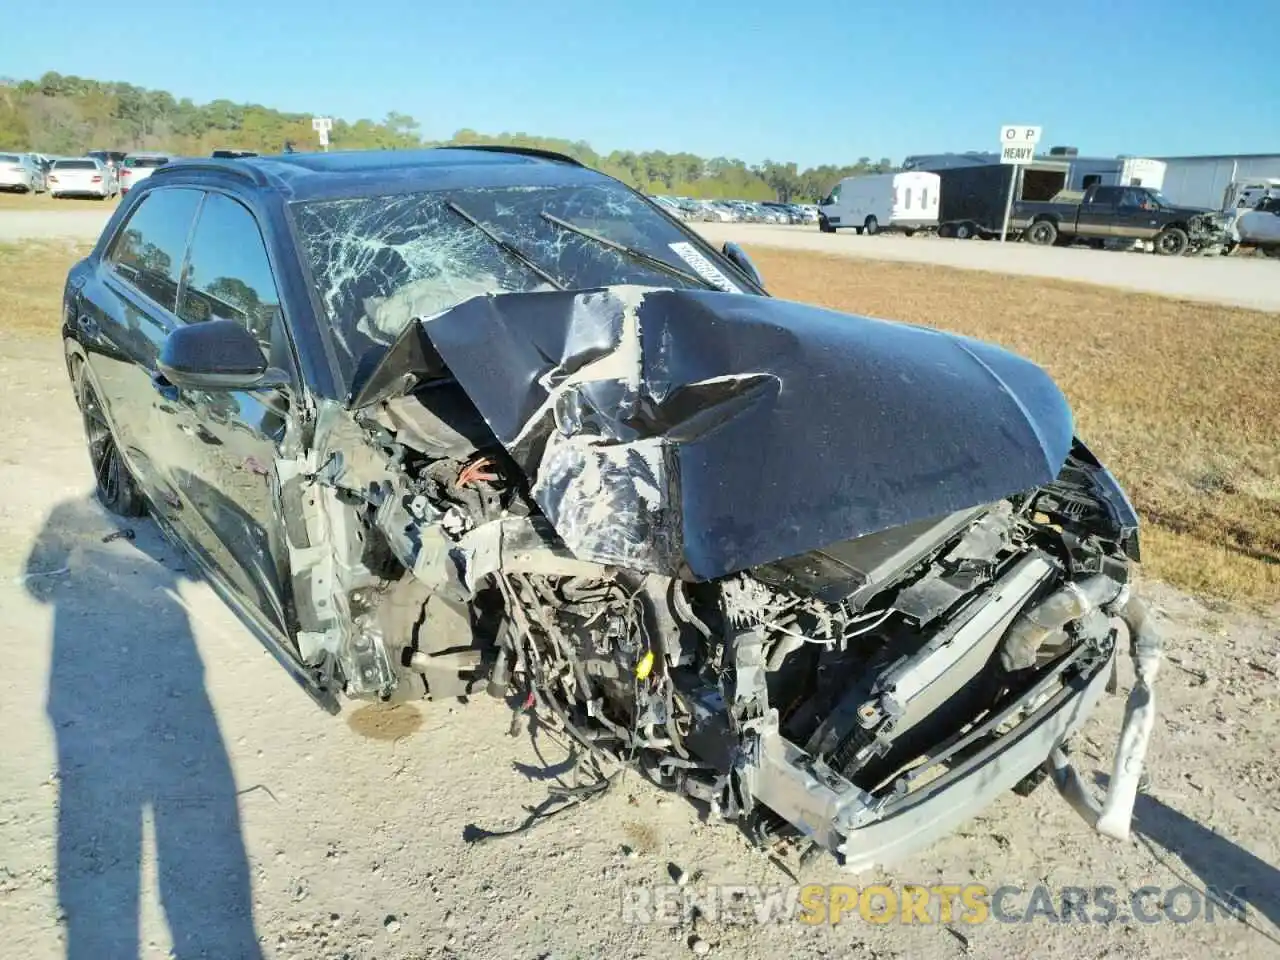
[{"x": 378, "y": 262}]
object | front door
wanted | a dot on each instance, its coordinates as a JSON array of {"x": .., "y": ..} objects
[
  {"x": 1137, "y": 215},
  {"x": 225, "y": 443},
  {"x": 124, "y": 321}
]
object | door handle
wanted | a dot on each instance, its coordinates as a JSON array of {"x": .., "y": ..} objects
[{"x": 164, "y": 387}]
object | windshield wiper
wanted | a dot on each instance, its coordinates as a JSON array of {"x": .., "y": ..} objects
[
  {"x": 639, "y": 255},
  {"x": 506, "y": 246}
]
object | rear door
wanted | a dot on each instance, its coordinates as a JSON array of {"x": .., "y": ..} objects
[
  {"x": 123, "y": 316},
  {"x": 1098, "y": 213},
  {"x": 224, "y": 444}
]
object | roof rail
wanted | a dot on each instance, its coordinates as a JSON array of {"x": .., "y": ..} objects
[
  {"x": 522, "y": 151},
  {"x": 234, "y": 168}
]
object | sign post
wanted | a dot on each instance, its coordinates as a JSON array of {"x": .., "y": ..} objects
[
  {"x": 1017, "y": 148},
  {"x": 322, "y": 126}
]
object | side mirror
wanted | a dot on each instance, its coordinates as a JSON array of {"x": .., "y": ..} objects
[
  {"x": 216, "y": 355},
  {"x": 739, "y": 258}
]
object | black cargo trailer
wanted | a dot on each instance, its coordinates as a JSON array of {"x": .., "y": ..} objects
[{"x": 973, "y": 198}]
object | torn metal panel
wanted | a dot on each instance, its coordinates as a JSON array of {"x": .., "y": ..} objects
[
  {"x": 722, "y": 432},
  {"x": 325, "y": 537}
]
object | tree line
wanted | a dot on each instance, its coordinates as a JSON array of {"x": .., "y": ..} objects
[{"x": 68, "y": 115}]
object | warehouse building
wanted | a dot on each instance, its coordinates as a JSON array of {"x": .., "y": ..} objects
[{"x": 1203, "y": 181}]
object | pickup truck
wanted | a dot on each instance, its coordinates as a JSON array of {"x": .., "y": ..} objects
[
  {"x": 1260, "y": 227},
  {"x": 1113, "y": 212}
]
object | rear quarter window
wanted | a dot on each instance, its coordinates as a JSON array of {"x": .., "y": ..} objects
[{"x": 148, "y": 251}]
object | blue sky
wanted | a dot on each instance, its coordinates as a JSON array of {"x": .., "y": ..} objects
[{"x": 813, "y": 81}]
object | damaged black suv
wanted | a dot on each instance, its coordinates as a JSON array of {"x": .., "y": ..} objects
[{"x": 434, "y": 422}]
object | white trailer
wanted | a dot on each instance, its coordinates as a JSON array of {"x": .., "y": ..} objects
[
  {"x": 885, "y": 201},
  {"x": 1143, "y": 172}
]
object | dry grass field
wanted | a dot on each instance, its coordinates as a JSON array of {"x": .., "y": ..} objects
[{"x": 1181, "y": 400}]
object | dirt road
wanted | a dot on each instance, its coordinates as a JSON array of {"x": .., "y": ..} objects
[
  {"x": 152, "y": 746},
  {"x": 82, "y": 222},
  {"x": 1237, "y": 281}
]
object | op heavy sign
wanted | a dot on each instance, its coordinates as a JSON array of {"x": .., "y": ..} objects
[{"x": 1018, "y": 143}]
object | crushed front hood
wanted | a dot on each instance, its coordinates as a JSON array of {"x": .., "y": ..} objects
[{"x": 698, "y": 433}]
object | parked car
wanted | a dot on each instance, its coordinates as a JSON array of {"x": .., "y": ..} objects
[
  {"x": 1260, "y": 227},
  {"x": 138, "y": 166},
  {"x": 1108, "y": 212},
  {"x": 81, "y": 177},
  {"x": 601, "y": 480},
  {"x": 109, "y": 158},
  {"x": 21, "y": 172},
  {"x": 906, "y": 202}
]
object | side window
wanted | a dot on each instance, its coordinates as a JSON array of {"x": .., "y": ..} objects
[
  {"x": 1090, "y": 180},
  {"x": 228, "y": 274},
  {"x": 147, "y": 253},
  {"x": 1133, "y": 198}
]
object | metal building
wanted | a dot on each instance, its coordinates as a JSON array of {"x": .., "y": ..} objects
[{"x": 1203, "y": 181}]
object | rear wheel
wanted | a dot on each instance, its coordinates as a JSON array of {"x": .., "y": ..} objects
[
  {"x": 871, "y": 227},
  {"x": 116, "y": 488},
  {"x": 1172, "y": 242},
  {"x": 1042, "y": 233}
]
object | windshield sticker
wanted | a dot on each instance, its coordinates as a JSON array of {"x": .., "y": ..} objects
[{"x": 704, "y": 267}]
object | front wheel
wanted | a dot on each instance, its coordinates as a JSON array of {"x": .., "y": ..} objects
[
  {"x": 1042, "y": 233},
  {"x": 871, "y": 227},
  {"x": 1172, "y": 242},
  {"x": 825, "y": 226},
  {"x": 115, "y": 486},
  {"x": 963, "y": 231}
]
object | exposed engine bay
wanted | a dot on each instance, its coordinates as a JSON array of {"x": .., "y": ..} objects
[{"x": 444, "y": 543}]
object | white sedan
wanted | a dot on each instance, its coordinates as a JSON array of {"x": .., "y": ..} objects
[
  {"x": 19, "y": 171},
  {"x": 82, "y": 176}
]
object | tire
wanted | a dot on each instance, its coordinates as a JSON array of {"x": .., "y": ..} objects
[
  {"x": 908, "y": 233},
  {"x": 1042, "y": 233},
  {"x": 964, "y": 231},
  {"x": 1172, "y": 242},
  {"x": 858, "y": 231},
  {"x": 114, "y": 484},
  {"x": 824, "y": 225},
  {"x": 871, "y": 227},
  {"x": 1271, "y": 252}
]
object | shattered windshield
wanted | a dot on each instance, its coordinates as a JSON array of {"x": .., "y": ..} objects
[{"x": 378, "y": 262}]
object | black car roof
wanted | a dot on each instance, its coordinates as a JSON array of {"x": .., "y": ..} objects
[{"x": 321, "y": 176}]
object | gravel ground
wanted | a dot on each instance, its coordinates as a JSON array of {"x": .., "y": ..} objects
[
  {"x": 165, "y": 790},
  {"x": 78, "y": 224},
  {"x": 1237, "y": 281}
]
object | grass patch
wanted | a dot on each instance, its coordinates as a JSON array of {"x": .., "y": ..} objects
[
  {"x": 32, "y": 275},
  {"x": 1179, "y": 399}
]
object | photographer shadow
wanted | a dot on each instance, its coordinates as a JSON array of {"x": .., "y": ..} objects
[{"x": 137, "y": 740}]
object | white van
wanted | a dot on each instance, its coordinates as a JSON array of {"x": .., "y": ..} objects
[{"x": 882, "y": 201}]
